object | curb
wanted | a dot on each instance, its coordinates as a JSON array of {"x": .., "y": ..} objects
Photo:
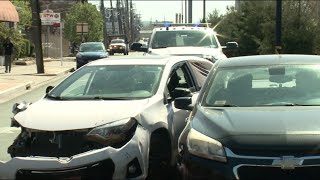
[
  {"x": 14, "y": 90},
  {"x": 30, "y": 85}
]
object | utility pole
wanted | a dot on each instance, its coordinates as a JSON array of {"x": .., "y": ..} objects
[
  {"x": 36, "y": 28},
  {"x": 189, "y": 11},
  {"x": 103, "y": 13},
  {"x": 204, "y": 11},
  {"x": 278, "y": 27},
  {"x": 112, "y": 18},
  {"x": 119, "y": 15},
  {"x": 132, "y": 29},
  {"x": 127, "y": 20},
  {"x": 186, "y": 11},
  {"x": 299, "y": 15}
]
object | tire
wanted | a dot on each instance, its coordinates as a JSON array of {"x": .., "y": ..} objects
[{"x": 159, "y": 158}]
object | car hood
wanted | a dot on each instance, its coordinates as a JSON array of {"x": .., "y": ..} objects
[
  {"x": 49, "y": 115},
  {"x": 192, "y": 51},
  {"x": 273, "y": 125},
  {"x": 91, "y": 53}
]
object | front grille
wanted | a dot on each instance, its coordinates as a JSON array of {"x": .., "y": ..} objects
[
  {"x": 269, "y": 173},
  {"x": 277, "y": 151},
  {"x": 100, "y": 170},
  {"x": 58, "y": 144}
]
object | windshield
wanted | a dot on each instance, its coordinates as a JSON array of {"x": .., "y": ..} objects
[
  {"x": 198, "y": 38},
  {"x": 112, "y": 81},
  {"x": 289, "y": 85},
  {"x": 117, "y": 41},
  {"x": 91, "y": 47}
]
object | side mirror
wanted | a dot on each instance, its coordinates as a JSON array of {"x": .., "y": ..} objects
[
  {"x": 183, "y": 103},
  {"x": 231, "y": 49},
  {"x": 186, "y": 103},
  {"x": 232, "y": 45},
  {"x": 49, "y": 88},
  {"x": 138, "y": 47},
  {"x": 182, "y": 92}
]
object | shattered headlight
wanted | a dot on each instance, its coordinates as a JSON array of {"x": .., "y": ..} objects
[
  {"x": 114, "y": 134},
  {"x": 204, "y": 146}
]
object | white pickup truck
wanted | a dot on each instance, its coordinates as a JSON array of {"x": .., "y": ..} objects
[{"x": 185, "y": 39}]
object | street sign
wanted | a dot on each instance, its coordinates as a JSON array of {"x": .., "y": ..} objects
[
  {"x": 49, "y": 18},
  {"x": 82, "y": 28}
]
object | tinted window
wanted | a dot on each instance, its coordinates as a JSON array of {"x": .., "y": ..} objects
[
  {"x": 200, "y": 38},
  {"x": 265, "y": 86},
  {"x": 91, "y": 47},
  {"x": 117, "y": 41}
]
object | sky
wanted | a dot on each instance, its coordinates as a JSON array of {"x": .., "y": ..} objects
[{"x": 166, "y": 9}]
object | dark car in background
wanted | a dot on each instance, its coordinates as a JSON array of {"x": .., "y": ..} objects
[
  {"x": 90, "y": 51},
  {"x": 256, "y": 117}
]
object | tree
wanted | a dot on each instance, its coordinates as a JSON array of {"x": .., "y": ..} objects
[
  {"x": 299, "y": 29},
  {"x": 253, "y": 27},
  {"x": 84, "y": 13},
  {"x": 21, "y": 43}
]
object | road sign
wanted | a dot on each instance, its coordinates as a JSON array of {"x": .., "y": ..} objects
[
  {"x": 49, "y": 18},
  {"x": 82, "y": 28}
]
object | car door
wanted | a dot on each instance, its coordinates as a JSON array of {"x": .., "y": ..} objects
[{"x": 180, "y": 78}]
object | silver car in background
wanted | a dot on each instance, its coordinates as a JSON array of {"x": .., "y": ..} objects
[{"x": 110, "y": 119}]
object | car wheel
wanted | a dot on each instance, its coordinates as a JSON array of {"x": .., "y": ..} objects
[{"x": 159, "y": 157}]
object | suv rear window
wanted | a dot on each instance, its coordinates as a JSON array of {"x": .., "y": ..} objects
[{"x": 198, "y": 38}]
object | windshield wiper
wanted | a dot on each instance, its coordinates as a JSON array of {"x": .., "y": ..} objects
[
  {"x": 288, "y": 104},
  {"x": 55, "y": 97},
  {"x": 225, "y": 105},
  {"x": 110, "y": 98},
  {"x": 160, "y": 47}
]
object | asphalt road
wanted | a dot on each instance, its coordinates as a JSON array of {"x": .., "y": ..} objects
[{"x": 7, "y": 133}]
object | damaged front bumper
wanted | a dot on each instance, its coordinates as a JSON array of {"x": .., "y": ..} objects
[{"x": 127, "y": 162}]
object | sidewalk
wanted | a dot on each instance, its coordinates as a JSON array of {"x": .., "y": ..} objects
[{"x": 25, "y": 77}]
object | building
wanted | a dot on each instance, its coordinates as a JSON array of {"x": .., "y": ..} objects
[{"x": 51, "y": 33}]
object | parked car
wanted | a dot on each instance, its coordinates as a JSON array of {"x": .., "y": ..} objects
[
  {"x": 256, "y": 117},
  {"x": 186, "y": 39},
  {"x": 118, "y": 46},
  {"x": 111, "y": 119},
  {"x": 90, "y": 51}
]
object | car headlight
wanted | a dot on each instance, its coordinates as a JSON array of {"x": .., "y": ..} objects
[
  {"x": 103, "y": 55},
  {"x": 204, "y": 146},
  {"x": 79, "y": 56},
  {"x": 114, "y": 134},
  {"x": 209, "y": 57}
]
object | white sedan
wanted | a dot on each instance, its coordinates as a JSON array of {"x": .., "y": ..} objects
[{"x": 110, "y": 119}]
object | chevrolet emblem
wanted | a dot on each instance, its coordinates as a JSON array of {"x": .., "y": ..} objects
[{"x": 287, "y": 162}]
